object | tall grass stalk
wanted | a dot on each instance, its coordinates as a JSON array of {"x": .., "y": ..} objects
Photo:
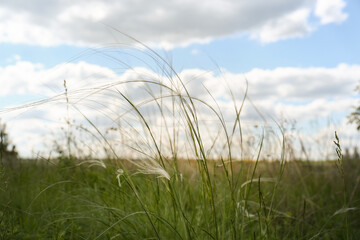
[{"x": 340, "y": 166}]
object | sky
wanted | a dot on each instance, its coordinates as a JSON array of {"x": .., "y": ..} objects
[{"x": 299, "y": 60}]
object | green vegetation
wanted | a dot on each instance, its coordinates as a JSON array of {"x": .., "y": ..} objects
[
  {"x": 354, "y": 117},
  {"x": 43, "y": 201},
  {"x": 160, "y": 193}
]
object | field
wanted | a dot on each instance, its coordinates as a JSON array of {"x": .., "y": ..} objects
[{"x": 296, "y": 200}]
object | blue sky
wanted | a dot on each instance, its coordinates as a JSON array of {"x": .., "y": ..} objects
[{"x": 301, "y": 58}]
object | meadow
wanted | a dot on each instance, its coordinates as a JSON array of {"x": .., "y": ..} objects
[
  {"x": 40, "y": 200},
  {"x": 183, "y": 182}
]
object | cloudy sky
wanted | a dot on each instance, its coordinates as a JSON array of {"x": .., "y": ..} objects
[{"x": 300, "y": 59}]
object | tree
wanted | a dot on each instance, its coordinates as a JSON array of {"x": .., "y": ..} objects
[
  {"x": 8, "y": 154},
  {"x": 354, "y": 117},
  {"x": 4, "y": 139}
]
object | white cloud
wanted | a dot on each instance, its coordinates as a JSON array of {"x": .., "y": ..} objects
[
  {"x": 292, "y": 25},
  {"x": 302, "y": 84},
  {"x": 317, "y": 109},
  {"x": 92, "y": 11},
  {"x": 330, "y": 11},
  {"x": 29, "y": 78},
  {"x": 299, "y": 94},
  {"x": 18, "y": 78},
  {"x": 160, "y": 22}
]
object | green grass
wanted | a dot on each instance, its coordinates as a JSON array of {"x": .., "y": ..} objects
[
  {"x": 42, "y": 201},
  {"x": 170, "y": 186}
]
